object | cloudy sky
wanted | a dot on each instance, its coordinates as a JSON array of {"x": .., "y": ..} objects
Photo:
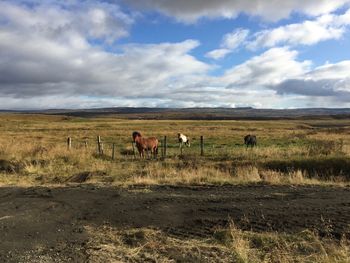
[{"x": 166, "y": 53}]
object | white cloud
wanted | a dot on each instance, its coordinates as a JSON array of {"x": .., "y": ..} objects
[
  {"x": 277, "y": 79},
  {"x": 330, "y": 83},
  {"x": 48, "y": 53},
  {"x": 340, "y": 70},
  {"x": 190, "y": 11},
  {"x": 218, "y": 53},
  {"x": 58, "y": 19},
  {"x": 247, "y": 84},
  {"x": 230, "y": 42},
  {"x": 48, "y": 61},
  {"x": 26, "y": 70},
  {"x": 271, "y": 67},
  {"x": 234, "y": 39},
  {"x": 309, "y": 32},
  {"x": 289, "y": 82}
]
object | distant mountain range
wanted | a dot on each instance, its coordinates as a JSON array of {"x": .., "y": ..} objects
[{"x": 197, "y": 113}]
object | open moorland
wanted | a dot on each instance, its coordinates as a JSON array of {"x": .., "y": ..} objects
[{"x": 286, "y": 200}]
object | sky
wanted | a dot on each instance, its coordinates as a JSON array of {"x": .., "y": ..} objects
[{"x": 166, "y": 53}]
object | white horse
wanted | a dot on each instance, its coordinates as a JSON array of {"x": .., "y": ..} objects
[{"x": 183, "y": 140}]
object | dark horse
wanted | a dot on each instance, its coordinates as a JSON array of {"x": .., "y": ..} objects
[
  {"x": 250, "y": 140},
  {"x": 145, "y": 144}
]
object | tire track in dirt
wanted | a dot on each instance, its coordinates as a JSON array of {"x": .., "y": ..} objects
[{"x": 52, "y": 220}]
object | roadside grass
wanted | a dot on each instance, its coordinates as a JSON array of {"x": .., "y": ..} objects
[
  {"x": 305, "y": 246},
  {"x": 108, "y": 244}
]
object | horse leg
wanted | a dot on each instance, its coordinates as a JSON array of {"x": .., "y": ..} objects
[{"x": 140, "y": 152}]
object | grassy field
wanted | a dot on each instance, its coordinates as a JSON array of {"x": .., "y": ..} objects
[{"x": 33, "y": 152}]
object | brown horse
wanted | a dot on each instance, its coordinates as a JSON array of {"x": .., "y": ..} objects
[{"x": 145, "y": 144}]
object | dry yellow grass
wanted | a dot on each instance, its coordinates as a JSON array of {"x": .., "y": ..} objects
[
  {"x": 108, "y": 244},
  {"x": 33, "y": 151}
]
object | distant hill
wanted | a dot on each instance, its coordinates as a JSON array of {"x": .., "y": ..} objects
[{"x": 198, "y": 113}]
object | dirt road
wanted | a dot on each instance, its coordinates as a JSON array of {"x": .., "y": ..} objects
[{"x": 51, "y": 221}]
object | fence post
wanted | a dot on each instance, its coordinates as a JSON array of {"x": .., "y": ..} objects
[
  {"x": 202, "y": 146},
  {"x": 113, "y": 151},
  {"x": 99, "y": 145},
  {"x": 164, "y": 147},
  {"x": 69, "y": 143}
]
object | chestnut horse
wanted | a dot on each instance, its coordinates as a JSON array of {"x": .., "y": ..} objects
[{"x": 145, "y": 144}]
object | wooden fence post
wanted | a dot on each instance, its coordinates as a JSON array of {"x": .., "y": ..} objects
[
  {"x": 164, "y": 147},
  {"x": 202, "y": 146},
  {"x": 113, "y": 151},
  {"x": 69, "y": 143},
  {"x": 99, "y": 148}
]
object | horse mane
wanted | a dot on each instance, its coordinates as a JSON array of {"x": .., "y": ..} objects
[{"x": 136, "y": 134}]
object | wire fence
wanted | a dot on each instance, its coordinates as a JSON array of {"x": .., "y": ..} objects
[{"x": 109, "y": 148}]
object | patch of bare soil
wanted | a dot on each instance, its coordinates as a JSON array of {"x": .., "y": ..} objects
[{"x": 40, "y": 224}]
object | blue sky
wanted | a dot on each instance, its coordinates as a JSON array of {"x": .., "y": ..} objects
[{"x": 164, "y": 53}]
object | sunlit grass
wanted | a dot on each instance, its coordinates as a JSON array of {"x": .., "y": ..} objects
[
  {"x": 108, "y": 244},
  {"x": 33, "y": 150}
]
